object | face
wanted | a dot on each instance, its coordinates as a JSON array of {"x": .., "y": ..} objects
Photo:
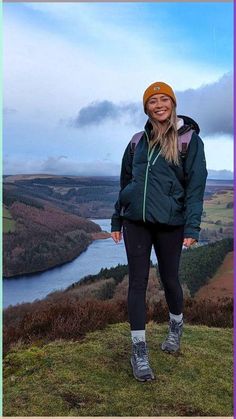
[{"x": 159, "y": 107}]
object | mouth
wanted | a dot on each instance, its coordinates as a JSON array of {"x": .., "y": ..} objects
[{"x": 160, "y": 112}]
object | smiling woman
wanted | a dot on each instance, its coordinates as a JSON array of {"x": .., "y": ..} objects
[{"x": 160, "y": 204}]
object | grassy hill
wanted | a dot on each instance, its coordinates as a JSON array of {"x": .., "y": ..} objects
[
  {"x": 218, "y": 215},
  {"x": 94, "y": 378}
]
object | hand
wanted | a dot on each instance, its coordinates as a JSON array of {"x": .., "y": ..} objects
[
  {"x": 189, "y": 242},
  {"x": 117, "y": 236}
]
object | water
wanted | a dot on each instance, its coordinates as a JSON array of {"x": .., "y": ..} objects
[{"x": 100, "y": 254}]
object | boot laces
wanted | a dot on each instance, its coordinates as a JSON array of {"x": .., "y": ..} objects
[
  {"x": 174, "y": 333},
  {"x": 141, "y": 356}
]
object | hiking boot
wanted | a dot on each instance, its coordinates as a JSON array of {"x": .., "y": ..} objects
[
  {"x": 139, "y": 361},
  {"x": 172, "y": 342}
]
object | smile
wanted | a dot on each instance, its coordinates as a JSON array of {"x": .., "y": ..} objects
[{"x": 160, "y": 112}]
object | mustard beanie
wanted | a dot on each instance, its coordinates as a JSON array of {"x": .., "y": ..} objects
[{"x": 157, "y": 88}]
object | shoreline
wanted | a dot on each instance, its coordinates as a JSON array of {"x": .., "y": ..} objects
[{"x": 100, "y": 235}]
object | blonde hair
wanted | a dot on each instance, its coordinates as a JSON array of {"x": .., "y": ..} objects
[{"x": 167, "y": 137}]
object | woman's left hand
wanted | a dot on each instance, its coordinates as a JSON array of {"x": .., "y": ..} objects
[{"x": 189, "y": 242}]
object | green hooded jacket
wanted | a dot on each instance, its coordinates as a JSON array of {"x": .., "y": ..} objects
[{"x": 153, "y": 190}]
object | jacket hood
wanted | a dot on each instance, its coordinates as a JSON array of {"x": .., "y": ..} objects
[{"x": 189, "y": 123}]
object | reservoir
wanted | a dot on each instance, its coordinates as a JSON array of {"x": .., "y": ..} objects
[{"x": 100, "y": 254}]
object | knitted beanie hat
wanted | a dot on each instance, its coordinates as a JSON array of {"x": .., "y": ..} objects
[{"x": 158, "y": 88}]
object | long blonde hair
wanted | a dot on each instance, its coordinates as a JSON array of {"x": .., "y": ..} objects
[{"x": 167, "y": 137}]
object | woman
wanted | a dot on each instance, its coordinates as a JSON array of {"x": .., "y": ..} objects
[{"x": 160, "y": 203}]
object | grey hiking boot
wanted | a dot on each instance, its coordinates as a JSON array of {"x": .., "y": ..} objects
[
  {"x": 139, "y": 361},
  {"x": 172, "y": 342}
]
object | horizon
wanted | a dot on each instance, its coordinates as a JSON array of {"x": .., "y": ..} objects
[{"x": 97, "y": 176}]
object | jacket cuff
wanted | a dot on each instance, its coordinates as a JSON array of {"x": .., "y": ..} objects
[
  {"x": 191, "y": 232},
  {"x": 116, "y": 224}
]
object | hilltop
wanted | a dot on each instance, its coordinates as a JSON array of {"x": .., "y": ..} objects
[
  {"x": 94, "y": 377},
  {"x": 68, "y": 354}
]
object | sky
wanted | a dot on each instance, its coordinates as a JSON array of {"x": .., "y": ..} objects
[{"x": 74, "y": 76}]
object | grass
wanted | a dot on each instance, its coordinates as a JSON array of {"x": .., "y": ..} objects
[
  {"x": 216, "y": 207},
  {"x": 9, "y": 224},
  {"x": 94, "y": 378}
]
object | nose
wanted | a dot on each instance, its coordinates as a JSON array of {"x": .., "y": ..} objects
[{"x": 159, "y": 103}]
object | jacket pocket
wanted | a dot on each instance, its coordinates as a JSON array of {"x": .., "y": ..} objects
[{"x": 125, "y": 194}]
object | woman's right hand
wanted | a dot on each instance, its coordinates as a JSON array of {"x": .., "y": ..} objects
[{"x": 117, "y": 236}]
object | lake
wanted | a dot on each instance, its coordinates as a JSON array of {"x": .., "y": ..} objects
[{"x": 100, "y": 254}]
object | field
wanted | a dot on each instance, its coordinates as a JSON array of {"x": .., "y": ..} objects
[
  {"x": 218, "y": 212},
  {"x": 216, "y": 207},
  {"x": 94, "y": 377},
  {"x": 8, "y": 222}
]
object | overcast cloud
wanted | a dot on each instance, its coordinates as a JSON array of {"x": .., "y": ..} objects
[{"x": 211, "y": 105}]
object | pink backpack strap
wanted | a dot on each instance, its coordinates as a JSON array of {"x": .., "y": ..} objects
[
  {"x": 135, "y": 140},
  {"x": 184, "y": 140}
]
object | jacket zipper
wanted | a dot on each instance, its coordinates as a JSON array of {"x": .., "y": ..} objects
[
  {"x": 149, "y": 156},
  {"x": 154, "y": 161}
]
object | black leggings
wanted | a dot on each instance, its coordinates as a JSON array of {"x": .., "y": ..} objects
[{"x": 167, "y": 240}]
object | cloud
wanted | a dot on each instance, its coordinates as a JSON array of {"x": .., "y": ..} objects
[
  {"x": 211, "y": 105},
  {"x": 98, "y": 112},
  {"x": 67, "y": 69},
  {"x": 61, "y": 165}
]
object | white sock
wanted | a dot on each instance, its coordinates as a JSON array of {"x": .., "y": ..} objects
[
  {"x": 177, "y": 317},
  {"x": 138, "y": 335}
]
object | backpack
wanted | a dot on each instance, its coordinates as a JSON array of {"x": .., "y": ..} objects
[{"x": 183, "y": 141}]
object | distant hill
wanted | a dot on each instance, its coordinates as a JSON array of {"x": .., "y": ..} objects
[
  {"x": 220, "y": 174},
  {"x": 45, "y": 217},
  {"x": 89, "y": 197}
]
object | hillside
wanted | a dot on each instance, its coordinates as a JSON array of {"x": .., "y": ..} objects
[
  {"x": 90, "y": 197},
  {"x": 99, "y": 300},
  {"x": 94, "y": 378},
  {"x": 222, "y": 283},
  {"x": 38, "y": 237}
]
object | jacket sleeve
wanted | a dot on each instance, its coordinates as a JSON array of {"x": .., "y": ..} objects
[
  {"x": 195, "y": 178},
  {"x": 125, "y": 178}
]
